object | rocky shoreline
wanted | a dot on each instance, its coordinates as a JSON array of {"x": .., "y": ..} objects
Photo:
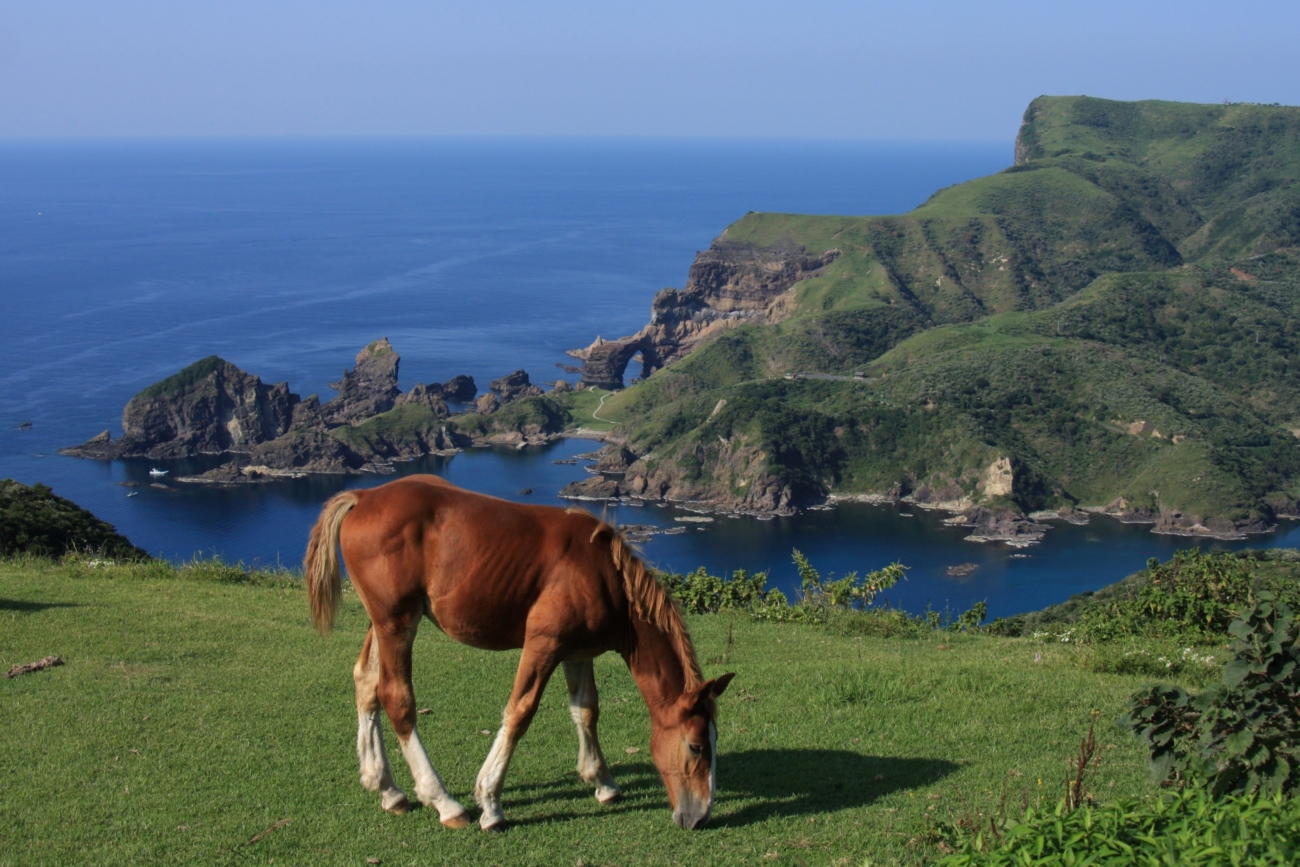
[{"x": 270, "y": 433}]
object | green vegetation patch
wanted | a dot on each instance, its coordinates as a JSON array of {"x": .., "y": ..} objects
[
  {"x": 35, "y": 520},
  {"x": 185, "y": 379}
]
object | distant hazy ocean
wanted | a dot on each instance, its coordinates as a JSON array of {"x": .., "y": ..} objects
[{"x": 122, "y": 262}]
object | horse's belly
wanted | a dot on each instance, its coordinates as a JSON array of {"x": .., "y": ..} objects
[{"x": 479, "y": 625}]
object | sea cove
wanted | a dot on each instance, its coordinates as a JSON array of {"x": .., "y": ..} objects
[{"x": 123, "y": 263}]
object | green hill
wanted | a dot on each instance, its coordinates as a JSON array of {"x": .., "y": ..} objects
[{"x": 1116, "y": 314}]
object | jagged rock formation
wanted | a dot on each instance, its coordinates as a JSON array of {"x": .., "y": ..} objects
[
  {"x": 728, "y": 284},
  {"x": 368, "y": 389},
  {"x": 515, "y": 386},
  {"x": 209, "y": 407},
  {"x": 213, "y": 407},
  {"x": 649, "y": 479},
  {"x": 425, "y": 395},
  {"x": 307, "y": 414},
  {"x": 459, "y": 389},
  {"x": 487, "y": 404}
]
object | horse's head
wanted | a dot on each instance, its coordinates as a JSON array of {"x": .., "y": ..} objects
[{"x": 684, "y": 745}]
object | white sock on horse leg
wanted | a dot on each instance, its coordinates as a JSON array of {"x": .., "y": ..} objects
[
  {"x": 429, "y": 787},
  {"x": 376, "y": 775},
  {"x": 491, "y": 779}
]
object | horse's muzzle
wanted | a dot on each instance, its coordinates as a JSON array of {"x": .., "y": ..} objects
[{"x": 691, "y": 819}]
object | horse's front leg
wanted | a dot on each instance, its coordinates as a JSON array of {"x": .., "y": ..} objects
[
  {"x": 584, "y": 707},
  {"x": 535, "y": 669}
]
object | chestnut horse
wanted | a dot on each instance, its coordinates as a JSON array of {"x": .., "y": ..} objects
[{"x": 560, "y": 584}]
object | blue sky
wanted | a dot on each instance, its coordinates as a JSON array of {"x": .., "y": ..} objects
[{"x": 821, "y": 69}]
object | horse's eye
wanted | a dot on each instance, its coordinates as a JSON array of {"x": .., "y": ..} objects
[{"x": 696, "y": 749}]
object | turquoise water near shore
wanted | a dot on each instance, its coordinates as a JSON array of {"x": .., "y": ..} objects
[{"x": 122, "y": 262}]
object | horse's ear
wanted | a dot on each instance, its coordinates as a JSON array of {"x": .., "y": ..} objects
[{"x": 709, "y": 689}]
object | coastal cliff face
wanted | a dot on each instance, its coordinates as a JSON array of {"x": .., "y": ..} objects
[
  {"x": 368, "y": 389},
  {"x": 209, "y": 407},
  {"x": 729, "y": 284}
]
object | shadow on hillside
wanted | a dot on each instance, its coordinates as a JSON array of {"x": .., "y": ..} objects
[
  {"x": 26, "y": 607},
  {"x": 754, "y": 785}
]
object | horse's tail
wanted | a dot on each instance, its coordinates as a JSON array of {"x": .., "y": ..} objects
[{"x": 321, "y": 568}]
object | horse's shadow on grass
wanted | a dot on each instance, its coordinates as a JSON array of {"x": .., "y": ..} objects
[
  {"x": 24, "y": 607},
  {"x": 755, "y": 785},
  {"x": 799, "y": 782}
]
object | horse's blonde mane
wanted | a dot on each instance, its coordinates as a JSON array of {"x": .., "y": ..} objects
[{"x": 652, "y": 603}]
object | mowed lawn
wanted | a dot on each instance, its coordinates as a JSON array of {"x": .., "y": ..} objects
[{"x": 194, "y": 715}]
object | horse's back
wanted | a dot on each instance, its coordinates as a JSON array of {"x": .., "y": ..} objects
[{"x": 492, "y": 571}]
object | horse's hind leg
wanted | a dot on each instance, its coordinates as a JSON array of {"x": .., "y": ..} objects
[
  {"x": 398, "y": 697},
  {"x": 584, "y": 706},
  {"x": 376, "y": 775}
]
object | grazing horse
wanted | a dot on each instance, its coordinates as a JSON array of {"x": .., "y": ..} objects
[{"x": 560, "y": 584}]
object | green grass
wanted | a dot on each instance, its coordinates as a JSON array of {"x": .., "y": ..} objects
[
  {"x": 199, "y": 708},
  {"x": 184, "y": 379}
]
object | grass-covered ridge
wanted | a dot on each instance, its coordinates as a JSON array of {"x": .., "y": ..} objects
[{"x": 1115, "y": 314}]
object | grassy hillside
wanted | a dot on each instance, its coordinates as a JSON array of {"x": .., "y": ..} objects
[
  {"x": 1116, "y": 313},
  {"x": 200, "y": 719},
  {"x": 35, "y": 520}
]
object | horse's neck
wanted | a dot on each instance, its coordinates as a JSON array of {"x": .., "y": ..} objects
[{"x": 655, "y": 666}]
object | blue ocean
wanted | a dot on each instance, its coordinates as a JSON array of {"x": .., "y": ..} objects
[{"x": 122, "y": 262}]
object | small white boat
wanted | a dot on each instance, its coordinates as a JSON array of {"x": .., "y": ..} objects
[
  {"x": 157, "y": 472},
  {"x": 134, "y": 494}
]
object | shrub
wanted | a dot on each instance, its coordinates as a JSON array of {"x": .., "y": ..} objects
[
  {"x": 1187, "y": 828},
  {"x": 1194, "y": 594},
  {"x": 1242, "y": 735},
  {"x": 702, "y": 593},
  {"x": 34, "y": 520}
]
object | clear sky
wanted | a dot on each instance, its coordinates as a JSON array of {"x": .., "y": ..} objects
[{"x": 926, "y": 69}]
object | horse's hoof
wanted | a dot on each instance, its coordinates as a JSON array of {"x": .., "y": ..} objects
[
  {"x": 456, "y": 822},
  {"x": 496, "y": 827},
  {"x": 400, "y": 807},
  {"x": 608, "y": 796}
]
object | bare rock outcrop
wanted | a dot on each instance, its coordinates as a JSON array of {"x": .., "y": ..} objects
[
  {"x": 307, "y": 415},
  {"x": 737, "y": 481},
  {"x": 209, "y": 407},
  {"x": 514, "y": 386},
  {"x": 368, "y": 389},
  {"x": 459, "y": 389},
  {"x": 728, "y": 284},
  {"x": 425, "y": 395}
]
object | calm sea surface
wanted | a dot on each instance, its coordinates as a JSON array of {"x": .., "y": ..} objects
[{"x": 121, "y": 263}]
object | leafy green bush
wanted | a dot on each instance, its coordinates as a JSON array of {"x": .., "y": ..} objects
[
  {"x": 1242, "y": 735},
  {"x": 1187, "y": 828},
  {"x": 847, "y": 592},
  {"x": 702, "y": 593},
  {"x": 844, "y": 602},
  {"x": 34, "y": 520},
  {"x": 1193, "y": 594}
]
